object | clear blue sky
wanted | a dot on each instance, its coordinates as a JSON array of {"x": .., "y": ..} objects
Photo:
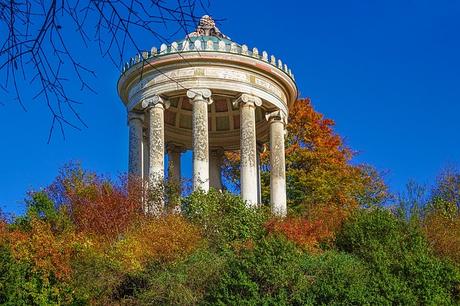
[{"x": 388, "y": 73}]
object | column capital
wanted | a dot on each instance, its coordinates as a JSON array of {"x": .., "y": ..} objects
[
  {"x": 155, "y": 101},
  {"x": 247, "y": 99},
  {"x": 199, "y": 94},
  {"x": 217, "y": 152},
  {"x": 276, "y": 116},
  {"x": 175, "y": 148},
  {"x": 133, "y": 115}
]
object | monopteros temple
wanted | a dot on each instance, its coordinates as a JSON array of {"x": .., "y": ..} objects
[{"x": 208, "y": 94}]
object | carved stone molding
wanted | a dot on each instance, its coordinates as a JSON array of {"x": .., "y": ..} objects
[
  {"x": 155, "y": 101},
  {"x": 132, "y": 115},
  {"x": 247, "y": 99},
  {"x": 200, "y": 134},
  {"x": 175, "y": 148},
  {"x": 199, "y": 94},
  {"x": 217, "y": 152},
  {"x": 248, "y": 139},
  {"x": 277, "y": 115}
]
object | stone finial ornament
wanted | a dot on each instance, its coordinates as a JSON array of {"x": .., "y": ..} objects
[
  {"x": 197, "y": 44},
  {"x": 222, "y": 45},
  {"x": 265, "y": 56},
  {"x": 210, "y": 45},
  {"x": 233, "y": 48},
  {"x": 207, "y": 27},
  {"x": 244, "y": 50},
  {"x": 163, "y": 48},
  {"x": 186, "y": 45},
  {"x": 174, "y": 47}
]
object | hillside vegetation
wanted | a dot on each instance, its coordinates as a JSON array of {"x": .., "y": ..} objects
[{"x": 346, "y": 241}]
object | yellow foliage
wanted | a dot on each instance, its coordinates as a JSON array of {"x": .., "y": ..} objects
[
  {"x": 156, "y": 239},
  {"x": 443, "y": 234},
  {"x": 46, "y": 252}
]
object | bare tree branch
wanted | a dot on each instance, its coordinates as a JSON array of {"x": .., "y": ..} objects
[{"x": 38, "y": 50}]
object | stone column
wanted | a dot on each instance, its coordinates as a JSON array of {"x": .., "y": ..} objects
[
  {"x": 248, "y": 180},
  {"x": 155, "y": 107},
  {"x": 215, "y": 165},
  {"x": 145, "y": 154},
  {"x": 200, "y": 98},
  {"x": 135, "y": 122},
  {"x": 174, "y": 169},
  {"x": 277, "y": 121},
  {"x": 174, "y": 163},
  {"x": 260, "y": 149}
]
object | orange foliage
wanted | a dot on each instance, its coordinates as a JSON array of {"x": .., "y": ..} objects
[
  {"x": 305, "y": 233},
  {"x": 319, "y": 226},
  {"x": 318, "y": 169},
  {"x": 308, "y": 128},
  {"x": 332, "y": 216},
  {"x": 156, "y": 239},
  {"x": 46, "y": 252},
  {"x": 3, "y": 231},
  {"x": 443, "y": 234},
  {"x": 103, "y": 209}
]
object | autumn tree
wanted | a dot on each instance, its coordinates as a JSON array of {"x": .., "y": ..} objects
[
  {"x": 318, "y": 168},
  {"x": 442, "y": 216}
]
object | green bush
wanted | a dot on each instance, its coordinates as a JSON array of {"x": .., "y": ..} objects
[
  {"x": 404, "y": 269},
  {"x": 269, "y": 273},
  {"x": 21, "y": 285},
  {"x": 224, "y": 217},
  {"x": 180, "y": 283},
  {"x": 41, "y": 206},
  {"x": 338, "y": 279}
]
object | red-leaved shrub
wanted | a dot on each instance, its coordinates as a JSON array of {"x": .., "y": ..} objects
[{"x": 303, "y": 232}]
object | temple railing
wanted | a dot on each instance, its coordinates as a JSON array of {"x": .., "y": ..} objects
[{"x": 207, "y": 44}]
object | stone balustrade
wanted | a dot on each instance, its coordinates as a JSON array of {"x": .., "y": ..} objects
[{"x": 207, "y": 44}]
